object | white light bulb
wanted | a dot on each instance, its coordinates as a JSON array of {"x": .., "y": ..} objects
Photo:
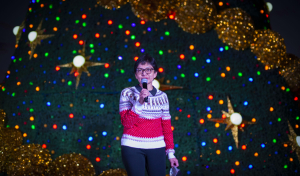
[
  {"x": 32, "y": 36},
  {"x": 236, "y": 118},
  {"x": 16, "y": 29},
  {"x": 270, "y": 6},
  {"x": 78, "y": 61},
  {"x": 156, "y": 84},
  {"x": 298, "y": 140}
]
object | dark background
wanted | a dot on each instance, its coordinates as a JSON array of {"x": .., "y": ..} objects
[{"x": 283, "y": 19}]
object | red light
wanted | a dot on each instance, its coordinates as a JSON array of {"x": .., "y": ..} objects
[
  {"x": 44, "y": 146},
  {"x": 83, "y": 16},
  {"x": 184, "y": 158},
  {"x": 71, "y": 116},
  {"x": 136, "y": 58},
  {"x": 97, "y": 159},
  {"x": 109, "y": 22},
  {"x": 57, "y": 68},
  {"x": 210, "y": 97},
  {"x": 182, "y": 56},
  {"x": 242, "y": 125},
  {"x": 142, "y": 22},
  {"x": 296, "y": 98},
  {"x": 127, "y": 32},
  {"x": 137, "y": 44},
  {"x": 223, "y": 116},
  {"x": 97, "y": 35},
  {"x": 80, "y": 42},
  {"x": 201, "y": 121},
  {"x": 54, "y": 126},
  {"x": 188, "y": 116},
  {"x": 75, "y": 36},
  {"x": 215, "y": 140},
  {"x": 160, "y": 70},
  {"x": 76, "y": 74},
  {"x": 232, "y": 171},
  {"x": 244, "y": 147},
  {"x": 88, "y": 146},
  {"x": 172, "y": 128},
  {"x": 267, "y": 15},
  {"x": 25, "y": 91},
  {"x": 180, "y": 110},
  {"x": 106, "y": 65}
]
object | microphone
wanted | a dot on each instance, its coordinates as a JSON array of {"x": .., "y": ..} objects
[{"x": 145, "y": 81}]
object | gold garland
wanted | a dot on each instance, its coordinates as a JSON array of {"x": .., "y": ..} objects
[{"x": 290, "y": 70}]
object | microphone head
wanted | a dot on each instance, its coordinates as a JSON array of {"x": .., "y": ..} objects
[{"x": 144, "y": 80}]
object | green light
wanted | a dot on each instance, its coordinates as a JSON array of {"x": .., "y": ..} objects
[
  {"x": 288, "y": 89},
  {"x": 226, "y": 47},
  {"x": 52, "y": 117},
  {"x": 182, "y": 75},
  {"x": 274, "y": 140},
  {"x": 57, "y": 18},
  {"x": 50, "y": 6},
  {"x": 46, "y": 54},
  {"x": 297, "y": 118},
  {"x": 3, "y": 89},
  {"x": 92, "y": 51},
  {"x": 285, "y": 166},
  {"x": 13, "y": 94},
  {"x": 7, "y": 126},
  {"x": 32, "y": 127},
  {"x": 74, "y": 51},
  {"x": 193, "y": 58},
  {"x": 122, "y": 71},
  {"x": 106, "y": 75},
  {"x": 161, "y": 52},
  {"x": 77, "y": 21},
  {"x": 80, "y": 128},
  {"x": 20, "y": 59},
  {"x": 120, "y": 26},
  {"x": 30, "y": 83},
  {"x": 279, "y": 119},
  {"x": 30, "y": 10},
  {"x": 63, "y": 140},
  {"x": 240, "y": 74},
  {"x": 132, "y": 37},
  {"x": 167, "y": 33},
  {"x": 31, "y": 110},
  {"x": 84, "y": 24},
  {"x": 69, "y": 83},
  {"x": 208, "y": 79},
  {"x": 37, "y": 1},
  {"x": 190, "y": 152},
  {"x": 14, "y": 60},
  {"x": 91, "y": 45},
  {"x": 258, "y": 72}
]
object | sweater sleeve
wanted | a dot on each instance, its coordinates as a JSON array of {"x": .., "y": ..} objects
[
  {"x": 129, "y": 108},
  {"x": 167, "y": 131}
]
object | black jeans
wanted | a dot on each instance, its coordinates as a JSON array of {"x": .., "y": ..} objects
[{"x": 135, "y": 160}]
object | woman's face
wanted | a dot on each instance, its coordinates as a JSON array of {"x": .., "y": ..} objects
[{"x": 141, "y": 73}]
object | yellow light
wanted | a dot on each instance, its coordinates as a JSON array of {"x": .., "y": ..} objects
[
  {"x": 118, "y": 138},
  {"x": 218, "y": 152},
  {"x": 172, "y": 128},
  {"x": 266, "y": 67},
  {"x": 71, "y": 105},
  {"x": 256, "y": 154},
  {"x": 37, "y": 88},
  {"x": 42, "y": 5},
  {"x": 31, "y": 118},
  {"x": 261, "y": 11},
  {"x": 18, "y": 83},
  {"x": 176, "y": 118},
  {"x": 209, "y": 116},
  {"x": 31, "y": 25},
  {"x": 221, "y": 101},
  {"x": 25, "y": 135},
  {"x": 296, "y": 126},
  {"x": 271, "y": 109},
  {"x": 108, "y": 156},
  {"x": 253, "y": 120},
  {"x": 282, "y": 88},
  {"x": 285, "y": 145},
  {"x": 237, "y": 163},
  {"x": 63, "y": 80},
  {"x": 8, "y": 72},
  {"x": 29, "y": 52},
  {"x": 228, "y": 68},
  {"x": 291, "y": 160},
  {"x": 35, "y": 55},
  {"x": 97, "y": 100},
  {"x": 220, "y": 3},
  {"x": 192, "y": 47},
  {"x": 217, "y": 125},
  {"x": 222, "y": 75},
  {"x": 55, "y": 29},
  {"x": 16, "y": 46},
  {"x": 17, "y": 127},
  {"x": 45, "y": 125}
]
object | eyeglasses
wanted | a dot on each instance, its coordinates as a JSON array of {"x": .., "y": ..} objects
[{"x": 147, "y": 70}]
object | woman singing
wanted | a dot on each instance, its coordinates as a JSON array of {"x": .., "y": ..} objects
[{"x": 147, "y": 135}]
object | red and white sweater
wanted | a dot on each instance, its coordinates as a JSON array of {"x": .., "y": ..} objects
[{"x": 147, "y": 125}]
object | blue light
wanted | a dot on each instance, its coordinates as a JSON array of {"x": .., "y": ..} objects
[
  {"x": 175, "y": 77},
  {"x": 98, "y": 58},
  {"x": 24, "y": 102},
  {"x": 13, "y": 57},
  {"x": 188, "y": 133},
  {"x": 104, "y": 133},
  {"x": 7, "y": 76},
  {"x": 149, "y": 29},
  {"x": 83, "y": 117},
  {"x": 161, "y": 38},
  {"x": 133, "y": 25},
  {"x": 79, "y": 140},
  {"x": 142, "y": 50},
  {"x": 48, "y": 103},
  {"x": 251, "y": 79},
  {"x": 125, "y": 46},
  {"x": 120, "y": 58},
  {"x": 106, "y": 49},
  {"x": 203, "y": 143},
  {"x": 221, "y": 49},
  {"x": 188, "y": 172},
  {"x": 270, "y": 123},
  {"x": 245, "y": 103},
  {"x": 208, "y": 108},
  {"x": 90, "y": 138},
  {"x": 229, "y": 148},
  {"x": 208, "y": 60},
  {"x": 179, "y": 66},
  {"x": 129, "y": 80},
  {"x": 64, "y": 127},
  {"x": 250, "y": 166},
  {"x": 263, "y": 145},
  {"x": 276, "y": 152},
  {"x": 103, "y": 147},
  {"x": 102, "y": 105},
  {"x": 54, "y": 82},
  {"x": 176, "y": 145},
  {"x": 58, "y": 106},
  {"x": 14, "y": 114},
  {"x": 27, "y": 141},
  {"x": 196, "y": 74}
]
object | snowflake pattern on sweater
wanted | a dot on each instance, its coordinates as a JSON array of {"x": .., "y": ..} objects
[{"x": 147, "y": 125}]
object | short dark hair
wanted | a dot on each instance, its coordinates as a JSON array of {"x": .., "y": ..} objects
[{"x": 145, "y": 59}]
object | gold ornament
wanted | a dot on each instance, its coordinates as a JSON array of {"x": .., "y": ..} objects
[
  {"x": 40, "y": 36},
  {"x": 10, "y": 138},
  {"x": 293, "y": 142},
  {"x": 151, "y": 10},
  {"x": 110, "y": 4},
  {"x": 290, "y": 70},
  {"x": 269, "y": 47},
  {"x": 2, "y": 118},
  {"x": 198, "y": 16},
  {"x": 29, "y": 159},
  {"x": 164, "y": 87},
  {"x": 83, "y": 68},
  {"x": 72, "y": 164},
  {"x": 114, "y": 172},
  {"x": 18, "y": 36},
  {"x": 234, "y": 128},
  {"x": 235, "y": 28}
]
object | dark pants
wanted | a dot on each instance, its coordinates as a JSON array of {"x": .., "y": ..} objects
[{"x": 135, "y": 160}]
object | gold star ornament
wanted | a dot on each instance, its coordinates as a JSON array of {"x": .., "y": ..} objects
[
  {"x": 234, "y": 122},
  {"x": 35, "y": 38},
  {"x": 294, "y": 141},
  {"x": 18, "y": 32},
  {"x": 80, "y": 64},
  {"x": 158, "y": 84}
]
